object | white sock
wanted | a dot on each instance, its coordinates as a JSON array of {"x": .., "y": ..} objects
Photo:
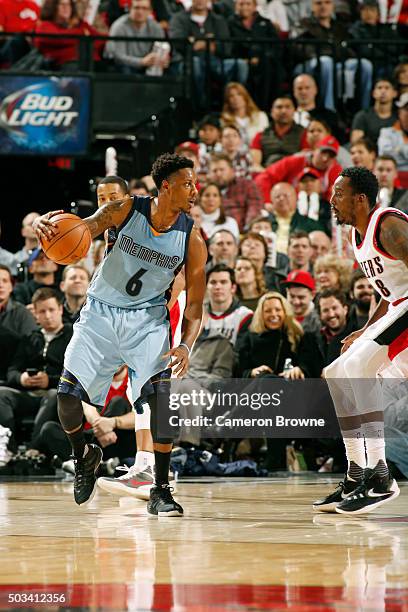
[
  {"x": 143, "y": 459},
  {"x": 355, "y": 452},
  {"x": 375, "y": 443}
]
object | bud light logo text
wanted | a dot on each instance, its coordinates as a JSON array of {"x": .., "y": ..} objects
[{"x": 44, "y": 115}]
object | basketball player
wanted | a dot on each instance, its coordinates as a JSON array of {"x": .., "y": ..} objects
[
  {"x": 125, "y": 317},
  {"x": 380, "y": 241}
]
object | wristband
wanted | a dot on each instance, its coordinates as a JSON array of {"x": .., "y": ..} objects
[{"x": 186, "y": 346}]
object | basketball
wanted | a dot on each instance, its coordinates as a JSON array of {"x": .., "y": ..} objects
[{"x": 72, "y": 241}]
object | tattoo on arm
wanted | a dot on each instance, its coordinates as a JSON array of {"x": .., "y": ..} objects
[
  {"x": 109, "y": 215},
  {"x": 394, "y": 237}
]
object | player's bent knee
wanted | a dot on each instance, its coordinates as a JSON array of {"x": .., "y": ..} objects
[{"x": 69, "y": 385}]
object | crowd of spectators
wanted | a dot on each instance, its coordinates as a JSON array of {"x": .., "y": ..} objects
[{"x": 282, "y": 283}]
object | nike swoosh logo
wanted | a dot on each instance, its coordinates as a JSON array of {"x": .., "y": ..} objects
[{"x": 372, "y": 494}]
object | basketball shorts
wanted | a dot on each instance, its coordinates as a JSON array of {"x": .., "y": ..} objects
[
  {"x": 391, "y": 332},
  {"x": 106, "y": 337}
]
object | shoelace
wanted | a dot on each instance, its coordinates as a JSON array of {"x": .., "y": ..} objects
[
  {"x": 166, "y": 493},
  {"x": 129, "y": 471}
]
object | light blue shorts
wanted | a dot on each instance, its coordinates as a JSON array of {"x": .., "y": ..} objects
[{"x": 106, "y": 337}]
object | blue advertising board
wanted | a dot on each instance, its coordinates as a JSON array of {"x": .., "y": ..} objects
[{"x": 42, "y": 115}]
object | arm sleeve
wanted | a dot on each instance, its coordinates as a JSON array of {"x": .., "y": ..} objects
[
  {"x": 275, "y": 173},
  {"x": 385, "y": 144},
  {"x": 118, "y": 49}
]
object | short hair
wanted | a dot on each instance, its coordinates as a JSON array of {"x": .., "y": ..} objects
[
  {"x": 168, "y": 164},
  {"x": 258, "y": 220},
  {"x": 363, "y": 181},
  {"x": 215, "y": 157},
  {"x": 227, "y": 231},
  {"x": 254, "y": 236},
  {"x": 386, "y": 80},
  {"x": 356, "y": 276},
  {"x": 297, "y": 235},
  {"x": 367, "y": 143},
  {"x": 77, "y": 266},
  {"x": 7, "y": 269},
  {"x": 221, "y": 267},
  {"x": 321, "y": 120},
  {"x": 46, "y": 293},
  {"x": 387, "y": 158},
  {"x": 115, "y": 180},
  {"x": 284, "y": 97},
  {"x": 232, "y": 126},
  {"x": 328, "y": 293}
]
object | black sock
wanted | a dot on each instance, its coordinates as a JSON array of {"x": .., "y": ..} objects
[
  {"x": 162, "y": 465},
  {"x": 78, "y": 442}
]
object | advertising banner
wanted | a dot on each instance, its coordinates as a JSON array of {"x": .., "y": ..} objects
[{"x": 44, "y": 115}]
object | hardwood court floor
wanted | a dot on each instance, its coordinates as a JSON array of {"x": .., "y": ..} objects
[{"x": 243, "y": 545}]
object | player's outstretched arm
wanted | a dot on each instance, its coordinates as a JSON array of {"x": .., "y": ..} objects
[
  {"x": 111, "y": 214},
  {"x": 195, "y": 292}
]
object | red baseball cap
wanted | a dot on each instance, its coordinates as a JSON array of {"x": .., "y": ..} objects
[
  {"x": 301, "y": 278},
  {"x": 188, "y": 146},
  {"x": 329, "y": 143},
  {"x": 309, "y": 171}
]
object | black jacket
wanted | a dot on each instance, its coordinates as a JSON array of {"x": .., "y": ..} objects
[
  {"x": 248, "y": 47},
  {"x": 271, "y": 348},
  {"x": 182, "y": 26},
  {"x": 330, "y": 346},
  {"x": 29, "y": 354},
  {"x": 16, "y": 318},
  {"x": 336, "y": 36},
  {"x": 381, "y": 33},
  {"x": 23, "y": 292}
]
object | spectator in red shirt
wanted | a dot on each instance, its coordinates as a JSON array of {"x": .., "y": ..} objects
[
  {"x": 288, "y": 169},
  {"x": 18, "y": 15},
  {"x": 241, "y": 198},
  {"x": 60, "y": 17}
]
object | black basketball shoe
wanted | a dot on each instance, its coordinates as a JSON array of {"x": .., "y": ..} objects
[
  {"x": 85, "y": 474},
  {"x": 340, "y": 494},
  {"x": 375, "y": 491},
  {"x": 161, "y": 502}
]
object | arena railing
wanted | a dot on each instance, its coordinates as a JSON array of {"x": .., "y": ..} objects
[{"x": 279, "y": 61}]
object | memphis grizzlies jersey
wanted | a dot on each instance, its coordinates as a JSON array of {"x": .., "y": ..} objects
[{"x": 140, "y": 263}]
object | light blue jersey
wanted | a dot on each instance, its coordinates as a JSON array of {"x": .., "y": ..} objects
[
  {"x": 125, "y": 319},
  {"x": 140, "y": 264}
]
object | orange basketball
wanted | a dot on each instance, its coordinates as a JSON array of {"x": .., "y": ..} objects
[{"x": 72, "y": 241}]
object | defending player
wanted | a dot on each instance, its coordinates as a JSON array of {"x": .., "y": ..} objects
[
  {"x": 380, "y": 243},
  {"x": 125, "y": 318}
]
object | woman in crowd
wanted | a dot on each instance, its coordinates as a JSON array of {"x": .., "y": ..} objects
[
  {"x": 233, "y": 146},
  {"x": 273, "y": 266},
  {"x": 250, "y": 282},
  {"x": 240, "y": 109},
  {"x": 331, "y": 272},
  {"x": 213, "y": 214},
  {"x": 274, "y": 336},
  {"x": 60, "y": 17}
]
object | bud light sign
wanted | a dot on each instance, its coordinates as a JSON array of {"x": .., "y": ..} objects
[{"x": 44, "y": 115}]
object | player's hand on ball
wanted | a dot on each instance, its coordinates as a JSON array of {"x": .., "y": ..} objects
[
  {"x": 348, "y": 340},
  {"x": 44, "y": 227},
  {"x": 180, "y": 362}
]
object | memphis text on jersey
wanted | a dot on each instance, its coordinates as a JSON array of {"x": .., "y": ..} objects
[{"x": 162, "y": 260}]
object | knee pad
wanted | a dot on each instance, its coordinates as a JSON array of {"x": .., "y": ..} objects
[{"x": 69, "y": 385}]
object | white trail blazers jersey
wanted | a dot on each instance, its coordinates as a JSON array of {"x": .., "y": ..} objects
[{"x": 387, "y": 275}]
